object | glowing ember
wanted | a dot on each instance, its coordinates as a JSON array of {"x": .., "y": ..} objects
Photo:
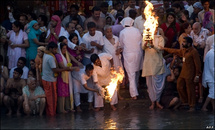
[
  {"x": 116, "y": 77},
  {"x": 151, "y": 22}
]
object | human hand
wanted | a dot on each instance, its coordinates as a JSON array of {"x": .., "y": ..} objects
[
  {"x": 92, "y": 43},
  {"x": 196, "y": 79},
  {"x": 91, "y": 50},
  {"x": 161, "y": 48},
  {"x": 34, "y": 98},
  {"x": 118, "y": 51},
  {"x": 80, "y": 65},
  {"x": 13, "y": 46},
  {"x": 195, "y": 44},
  {"x": 52, "y": 30}
]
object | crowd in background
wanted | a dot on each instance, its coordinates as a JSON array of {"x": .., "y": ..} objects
[{"x": 47, "y": 61}]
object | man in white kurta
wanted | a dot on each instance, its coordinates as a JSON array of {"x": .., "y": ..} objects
[
  {"x": 102, "y": 64},
  {"x": 81, "y": 85},
  {"x": 130, "y": 41},
  {"x": 93, "y": 40},
  {"x": 111, "y": 46},
  {"x": 154, "y": 70},
  {"x": 208, "y": 78}
]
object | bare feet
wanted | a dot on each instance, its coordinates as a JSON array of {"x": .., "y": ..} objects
[
  {"x": 134, "y": 98},
  {"x": 159, "y": 105},
  {"x": 113, "y": 107},
  {"x": 204, "y": 109},
  {"x": 97, "y": 109},
  {"x": 152, "y": 107},
  {"x": 120, "y": 98},
  {"x": 191, "y": 109},
  {"x": 9, "y": 113},
  {"x": 91, "y": 108},
  {"x": 64, "y": 112},
  {"x": 78, "y": 109}
]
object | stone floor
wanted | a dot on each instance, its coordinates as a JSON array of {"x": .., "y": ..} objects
[{"x": 130, "y": 115}]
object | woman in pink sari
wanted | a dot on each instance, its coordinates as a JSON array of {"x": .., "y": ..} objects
[{"x": 18, "y": 41}]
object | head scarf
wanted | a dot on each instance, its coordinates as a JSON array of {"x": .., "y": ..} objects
[
  {"x": 208, "y": 22},
  {"x": 57, "y": 28},
  {"x": 42, "y": 48},
  {"x": 127, "y": 21},
  {"x": 198, "y": 5},
  {"x": 32, "y": 32}
]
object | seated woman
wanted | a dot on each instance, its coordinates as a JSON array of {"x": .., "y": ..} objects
[{"x": 169, "y": 97}]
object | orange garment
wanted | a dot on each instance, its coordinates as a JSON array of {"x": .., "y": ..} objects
[
  {"x": 180, "y": 39},
  {"x": 38, "y": 63},
  {"x": 51, "y": 97}
]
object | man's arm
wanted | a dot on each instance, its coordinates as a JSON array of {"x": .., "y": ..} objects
[{"x": 174, "y": 51}]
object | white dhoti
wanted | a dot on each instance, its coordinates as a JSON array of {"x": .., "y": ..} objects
[{"x": 114, "y": 99}]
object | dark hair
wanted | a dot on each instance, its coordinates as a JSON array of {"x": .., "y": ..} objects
[
  {"x": 177, "y": 67},
  {"x": 96, "y": 8},
  {"x": 32, "y": 60},
  {"x": 33, "y": 16},
  {"x": 26, "y": 17},
  {"x": 177, "y": 5},
  {"x": 91, "y": 25},
  {"x": 132, "y": 13},
  {"x": 172, "y": 25},
  {"x": 75, "y": 18},
  {"x": 89, "y": 67},
  {"x": 58, "y": 13},
  {"x": 116, "y": 3},
  {"x": 23, "y": 59},
  {"x": 61, "y": 38},
  {"x": 94, "y": 57},
  {"x": 72, "y": 35},
  {"x": 52, "y": 45},
  {"x": 183, "y": 27},
  {"x": 75, "y": 7},
  {"x": 19, "y": 70},
  {"x": 203, "y": 1},
  {"x": 18, "y": 25},
  {"x": 44, "y": 19},
  {"x": 186, "y": 13},
  {"x": 104, "y": 4},
  {"x": 67, "y": 25},
  {"x": 170, "y": 10},
  {"x": 121, "y": 11},
  {"x": 189, "y": 40},
  {"x": 33, "y": 71},
  {"x": 119, "y": 16},
  {"x": 62, "y": 45}
]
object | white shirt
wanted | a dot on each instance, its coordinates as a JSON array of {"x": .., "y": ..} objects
[
  {"x": 102, "y": 74},
  {"x": 24, "y": 74},
  {"x": 201, "y": 38},
  {"x": 208, "y": 73},
  {"x": 62, "y": 30},
  {"x": 98, "y": 38},
  {"x": 139, "y": 22},
  {"x": 48, "y": 65},
  {"x": 80, "y": 75}
]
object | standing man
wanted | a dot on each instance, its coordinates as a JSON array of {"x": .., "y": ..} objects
[
  {"x": 74, "y": 14},
  {"x": 140, "y": 20},
  {"x": 93, "y": 40},
  {"x": 208, "y": 78},
  {"x": 206, "y": 8},
  {"x": 191, "y": 70},
  {"x": 130, "y": 41},
  {"x": 131, "y": 5},
  {"x": 100, "y": 22},
  {"x": 154, "y": 70},
  {"x": 49, "y": 71}
]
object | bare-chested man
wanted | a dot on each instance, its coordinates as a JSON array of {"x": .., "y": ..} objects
[
  {"x": 100, "y": 22},
  {"x": 13, "y": 92}
]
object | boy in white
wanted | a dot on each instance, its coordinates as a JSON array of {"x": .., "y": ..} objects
[
  {"x": 81, "y": 86},
  {"x": 102, "y": 64},
  {"x": 93, "y": 40}
]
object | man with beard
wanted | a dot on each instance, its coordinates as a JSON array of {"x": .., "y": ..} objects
[
  {"x": 191, "y": 70},
  {"x": 100, "y": 22},
  {"x": 13, "y": 92}
]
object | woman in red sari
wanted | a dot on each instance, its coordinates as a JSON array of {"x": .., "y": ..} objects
[{"x": 171, "y": 30}]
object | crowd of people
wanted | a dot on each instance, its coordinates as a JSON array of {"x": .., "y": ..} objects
[{"x": 46, "y": 63}]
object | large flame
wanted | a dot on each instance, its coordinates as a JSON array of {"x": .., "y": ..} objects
[
  {"x": 151, "y": 22},
  {"x": 116, "y": 77}
]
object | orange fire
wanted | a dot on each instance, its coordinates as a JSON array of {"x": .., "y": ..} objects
[
  {"x": 116, "y": 77},
  {"x": 151, "y": 22}
]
